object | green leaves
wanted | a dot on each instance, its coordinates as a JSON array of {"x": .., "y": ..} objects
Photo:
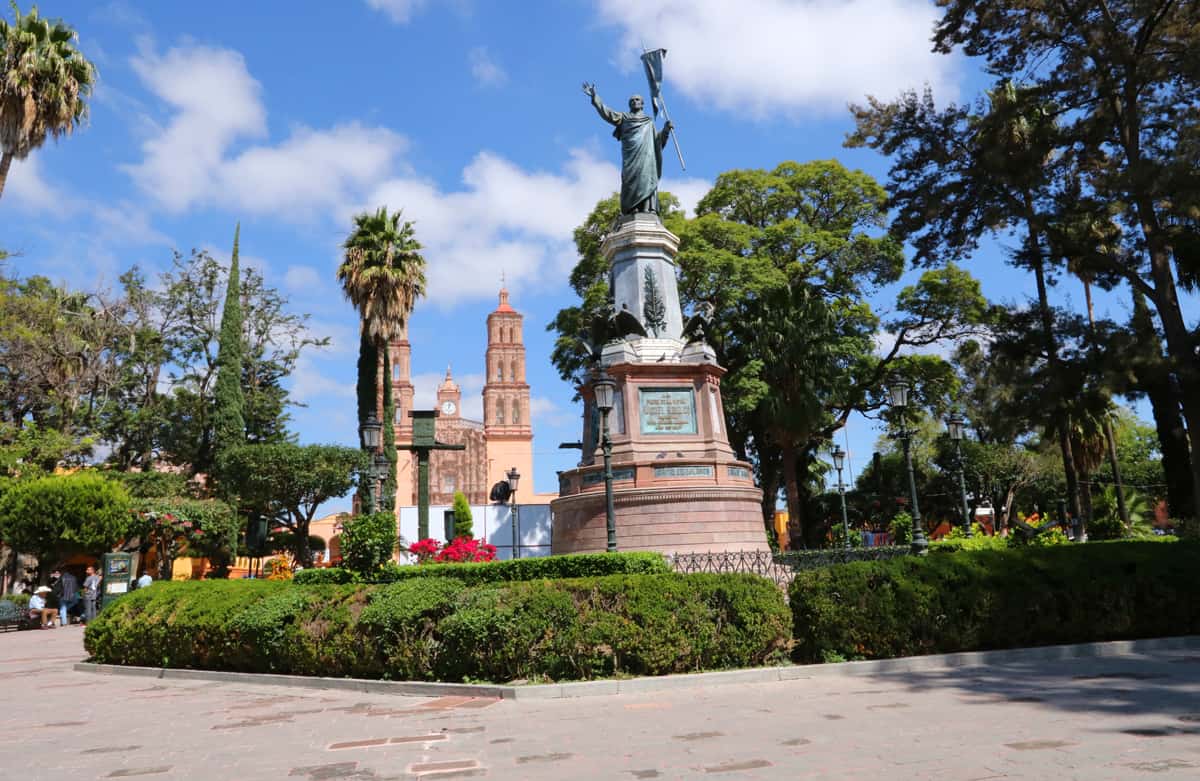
[{"x": 59, "y": 514}]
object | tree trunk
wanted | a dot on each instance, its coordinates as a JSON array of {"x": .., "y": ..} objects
[
  {"x": 5, "y": 163},
  {"x": 368, "y": 398},
  {"x": 1109, "y": 440},
  {"x": 1062, "y": 424},
  {"x": 791, "y": 486},
  {"x": 1179, "y": 340}
]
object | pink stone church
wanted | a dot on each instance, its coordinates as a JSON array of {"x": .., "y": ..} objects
[{"x": 501, "y": 441}]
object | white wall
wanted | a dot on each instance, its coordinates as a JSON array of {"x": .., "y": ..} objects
[{"x": 493, "y": 522}]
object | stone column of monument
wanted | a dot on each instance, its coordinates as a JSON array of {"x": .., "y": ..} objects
[{"x": 677, "y": 485}]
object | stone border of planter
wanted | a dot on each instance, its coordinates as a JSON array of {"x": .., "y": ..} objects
[{"x": 1116, "y": 648}]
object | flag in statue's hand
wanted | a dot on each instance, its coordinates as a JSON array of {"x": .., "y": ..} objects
[{"x": 653, "y": 60}]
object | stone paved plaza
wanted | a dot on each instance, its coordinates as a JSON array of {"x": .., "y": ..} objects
[{"x": 1135, "y": 717}]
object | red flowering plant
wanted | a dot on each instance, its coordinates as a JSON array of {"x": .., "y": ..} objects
[
  {"x": 424, "y": 549},
  {"x": 463, "y": 549},
  {"x": 457, "y": 551}
]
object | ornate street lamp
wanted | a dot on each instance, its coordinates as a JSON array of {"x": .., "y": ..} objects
[
  {"x": 368, "y": 433},
  {"x": 954, "y": 424},
  {"x": 514, "y": 477},
  {"x": 368, "y": 438},
  {"x": 898, "y": 392},
  {"x": 839, "y": 460},
  {"x": 605, "y": 389}
]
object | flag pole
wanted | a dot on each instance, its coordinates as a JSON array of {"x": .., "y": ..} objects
[{"x": 663, "y": 102}]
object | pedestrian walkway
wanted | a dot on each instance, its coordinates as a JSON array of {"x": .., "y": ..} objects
[{"x": 1135, "y": 717}]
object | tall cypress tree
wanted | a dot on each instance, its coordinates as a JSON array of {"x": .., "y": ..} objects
[
  {"x": 229, "y": 425},
  {"x": 368, "y": 369},
  {"x": 388, "y": 491}
]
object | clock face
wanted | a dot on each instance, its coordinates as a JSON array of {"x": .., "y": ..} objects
[{"x": 448, "y": 407}]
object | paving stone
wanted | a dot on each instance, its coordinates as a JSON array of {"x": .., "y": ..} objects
[{"x": 1021, "y": 716}]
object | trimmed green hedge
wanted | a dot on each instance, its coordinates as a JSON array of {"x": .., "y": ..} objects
[
  {"x": 977, "y": 600},
  {"x": 432, "y": 628},
  {"x": 578, "y": 565}
]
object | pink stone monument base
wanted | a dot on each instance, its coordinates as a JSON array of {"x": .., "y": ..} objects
[{"x": 667, "y": 519}]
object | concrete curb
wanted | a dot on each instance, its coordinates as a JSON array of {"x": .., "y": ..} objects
[{"x": 1113, "y": 649}]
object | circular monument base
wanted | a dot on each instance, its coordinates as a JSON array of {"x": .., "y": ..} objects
[{"x": 683, "y": 519}]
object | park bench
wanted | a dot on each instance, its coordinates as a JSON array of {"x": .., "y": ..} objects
[{"x": 14, "y": 615}]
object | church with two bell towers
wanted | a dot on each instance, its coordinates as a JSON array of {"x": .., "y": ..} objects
[{"x": 492, "y": 446}]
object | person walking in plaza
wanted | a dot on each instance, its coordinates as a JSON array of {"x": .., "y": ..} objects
[
  {"x": 38, "y": 608},
  {"x": 66, "y": 589},
  {"x": 145, "y": 579},
  {"x": 91, "y": 594}
]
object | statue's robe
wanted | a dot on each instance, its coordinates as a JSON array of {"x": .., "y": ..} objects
[{"x": 641, "y": 159}]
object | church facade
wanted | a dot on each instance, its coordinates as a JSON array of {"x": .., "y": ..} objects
[{"x": 499, "y": 442}]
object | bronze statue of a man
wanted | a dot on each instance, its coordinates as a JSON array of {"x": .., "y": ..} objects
[{"x": 641, "y": 151}]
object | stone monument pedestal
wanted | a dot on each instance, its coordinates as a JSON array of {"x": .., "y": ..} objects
[{"x": 677, "y": 486}]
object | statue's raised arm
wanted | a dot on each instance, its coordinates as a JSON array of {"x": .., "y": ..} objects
[
  {"x": 606, "y": 113},
  {"x": 641, "y": 151}
]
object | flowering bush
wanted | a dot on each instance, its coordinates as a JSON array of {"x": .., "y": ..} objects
[
  {"x": 457, "y": 551},
  {"x": 462, "y": 549},
  {"x": 424, "y": 550},
  {"x": 277, "y": 569}
]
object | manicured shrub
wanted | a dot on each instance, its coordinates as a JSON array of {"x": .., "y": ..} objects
[
  {"x": 367, "y": 542},
  {"x": 975, "y": 600},
  {"x": 578, "y": 565},
  {"x": 324, "y": 575},
  {"x": 442, "y": 629}
]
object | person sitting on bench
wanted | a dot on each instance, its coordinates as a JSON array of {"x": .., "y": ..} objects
[{"x": 38, "y": 609}]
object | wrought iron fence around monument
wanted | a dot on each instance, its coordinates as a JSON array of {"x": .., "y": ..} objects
[{"x": 780, "y": 567}]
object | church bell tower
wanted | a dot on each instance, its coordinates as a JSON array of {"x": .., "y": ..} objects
[{"x": 506, "y": 422}]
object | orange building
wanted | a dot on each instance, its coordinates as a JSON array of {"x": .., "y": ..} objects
[{"x": 499, "y": 442}]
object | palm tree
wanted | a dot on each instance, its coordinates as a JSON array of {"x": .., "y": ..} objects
[
  {"x": 383, "y": 275},
  {"x": 44, "y": 85}
]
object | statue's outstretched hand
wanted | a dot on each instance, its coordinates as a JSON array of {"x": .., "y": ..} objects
[
  {"x": 589, "y": 89},
  {"x": 667, "y": 128}
]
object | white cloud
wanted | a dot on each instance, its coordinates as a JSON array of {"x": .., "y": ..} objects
[
  {"x": 545, "y": 412},
  {"x": 505, "y": 219},
  {"x": 688, "y": 191},
  {"x": 485, "y": 70},
  {"x": 399, "y": 11},
  {"x": 309, "y": 384},
  {"x": 29, "y": 190},
  {"x": 791, "y": 56},
  {"x": 215, "y": 103},
  {"x": 301, "y": 279}
]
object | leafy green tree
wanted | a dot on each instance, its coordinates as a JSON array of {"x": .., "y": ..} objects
[
  {"x": 463, "y": 525},
  {"x": 287, "y": 483},
  {"x": 1118, "y": 75},
  {"x": 382, "y": 274},
  {"x": 367, "y": 542},
  {"x": 55, "y": 516},
  {"x": 44, "y": 84},
  {"x": 229, "y": 427},
  {"x": 174, "y": 525}
]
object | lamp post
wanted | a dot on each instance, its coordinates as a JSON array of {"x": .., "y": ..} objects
[
  {"x": 380, "y": 473},
  {"x": 954, "y": 424},
  {"x": 514, "y": 477},
  {"x": 368, "y": 437},
  {"x": 839, "y": 460},
  {"x": 898, "y": 392},
  {"x": 604, "y": 388}
]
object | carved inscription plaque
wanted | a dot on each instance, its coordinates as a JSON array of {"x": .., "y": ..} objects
[{"x": 667, "y": 410}]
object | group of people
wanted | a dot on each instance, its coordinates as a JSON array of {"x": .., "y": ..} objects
[
  {"x": 67, "y": 594},
  {"x": 65, "y": 597}
]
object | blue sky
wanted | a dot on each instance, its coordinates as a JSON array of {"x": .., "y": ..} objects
[{"x": 468, "y": 115}]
